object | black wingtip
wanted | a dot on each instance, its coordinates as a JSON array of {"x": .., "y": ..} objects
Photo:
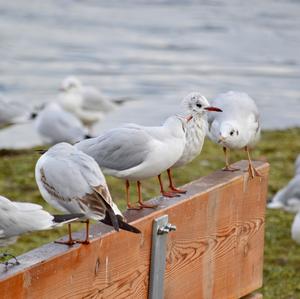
[
  {"x": 87, "y": 136},
  {"x": 41, "y": 151},
  {"x": 67, "y": 217},
  {"x": 124, "y": 225}
]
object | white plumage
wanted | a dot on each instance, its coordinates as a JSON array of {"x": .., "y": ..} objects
[
  {"x": 17, "y": 218},
  {"x": 12, "y": 112},
  {"x": 85, "y": 102},
  {"x": 288, "y": 198},
  {"x": 134, "y": 152},
  {"x": 197, "y": 106},
  {"x": 72, "y": 182},
  {"x": 237, "y": 127},
  {"x": 54, "y": 124}
]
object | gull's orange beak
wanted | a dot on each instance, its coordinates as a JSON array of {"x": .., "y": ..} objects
[
  {"x": 211, "y": 108},
  {"x": 221, "y": 139}
]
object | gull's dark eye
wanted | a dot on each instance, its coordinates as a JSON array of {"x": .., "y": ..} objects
[
  {"x": 199, "y": 105},
  {"x": 231, "y": 133}
]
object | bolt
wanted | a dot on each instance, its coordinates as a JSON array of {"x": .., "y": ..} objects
[{"x": 166, "y": 229}]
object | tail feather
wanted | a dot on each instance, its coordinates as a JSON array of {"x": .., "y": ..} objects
[
  {"x": 120, "y": 223},
  {"x": 110, "y": 217},
  {"x": 124, "y": 225}
]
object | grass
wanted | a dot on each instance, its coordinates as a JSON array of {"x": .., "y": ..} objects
[{"x": 280, "y": 148}]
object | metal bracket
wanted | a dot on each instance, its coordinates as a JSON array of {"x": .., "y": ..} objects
[{"x": 160, "y": 230}]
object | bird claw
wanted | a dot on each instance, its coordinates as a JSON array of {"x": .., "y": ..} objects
[
  {"x": 230, "y": 168},
  {"x": 69, "y": 242},
  {"x": 253, "y": 172},
  {"x": 169, "y": 194},
  {"x": 177, "y": 190},
  {"x": 147, "y": 206},
  {"x": 130, "y": 207},
  {"x": 85, "y": 242}
]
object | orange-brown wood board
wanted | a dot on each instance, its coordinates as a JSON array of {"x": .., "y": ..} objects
[{"x": 216, "y": 251}]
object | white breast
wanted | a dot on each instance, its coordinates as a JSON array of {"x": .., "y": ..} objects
[{"x": 195, "y": 136}]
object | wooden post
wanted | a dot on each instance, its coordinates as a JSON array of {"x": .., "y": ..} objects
[{"x": 216, "y": 251}]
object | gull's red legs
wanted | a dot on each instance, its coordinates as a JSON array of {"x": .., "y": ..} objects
[
  {"x": 140, "y": 201},
  {"x": 163, "y": 192},
  {"x": 251, "y": 169},
  {"x": 129, "y": 206},
  {"x": 70, "y": 241},
  {"x": 171, "y": 185},
  {"x": 227, "y": 166},
  {"x": 87, "y": 233}
]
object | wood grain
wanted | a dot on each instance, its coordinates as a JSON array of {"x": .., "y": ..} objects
[{"x": 216, "y": 252}]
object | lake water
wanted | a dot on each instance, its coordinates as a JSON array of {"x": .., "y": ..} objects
[{"x": 153, "y": 51}]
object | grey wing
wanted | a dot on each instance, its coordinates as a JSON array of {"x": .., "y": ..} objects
[
  {"x": 118, "y": 149},
  {"x": 288, "y": 197},
  {"x": 94, "y": 100}
]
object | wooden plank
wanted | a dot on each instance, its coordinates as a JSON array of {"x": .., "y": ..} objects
[
  {"x": 253, "y": 296},
  {"x": 216, "y": 252}
]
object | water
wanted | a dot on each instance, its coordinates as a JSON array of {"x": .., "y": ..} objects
[{"x": 153, "y": 51}]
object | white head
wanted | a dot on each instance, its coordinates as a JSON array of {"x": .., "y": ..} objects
[
  {"x": 197, "y": 104},
  {"x": 230, "y": 134},
  {"x": 70, "y": 83}
]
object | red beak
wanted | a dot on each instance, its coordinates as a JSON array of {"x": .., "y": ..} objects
[
  {"x": 188, "y": 118},
  {"x": 211, "y": 108}
]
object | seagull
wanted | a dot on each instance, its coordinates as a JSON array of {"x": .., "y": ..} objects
[
  {"x": 72, "y": 182},
  {"x": 134, "y": 153},
  {"x": 55, "y": 125},
  {"x": 237, "y": 127},
  {"x": 12, "y": 112},
  {"x": 288, "y": 198},
  {"x": 85, "y": 102},
  {"x": 198, "y": 106},
  {"x": 17, "y": 218},
  {"x": 295, "y": 230}
]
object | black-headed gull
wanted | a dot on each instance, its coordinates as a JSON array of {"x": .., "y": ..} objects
[
  {"x": 85, "y": 102},
  {"x": 135, "y": 153},
  {"x": 198, "y": 106},
  {"x": 17, "y": 218},
  {"x": 72, "y": 182},
  {"x": 288, "y": 198},
  {"x": 54, "y": 125},
  {"x": 237, "y": 127}
]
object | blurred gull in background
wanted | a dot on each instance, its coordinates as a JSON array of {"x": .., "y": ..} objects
[
  {"x": 85, "y": 102},
  {"x": 12, "y": 112},
  {"x": 54, "y": 124},
  {"x": 288, "y": 198}
]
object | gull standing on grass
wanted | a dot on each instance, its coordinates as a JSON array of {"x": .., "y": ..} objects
[
  {"x": 54, "y": 124},
  {"x": 288, "y": 198},
  {"x": 198, "y": 106},
  {"x": 17, "y": 218},
  {"x": 135, "y": 153},
  {"x": 85, "y": 102},
  {"x": 72, "y": 182},
  {"x": 237, "y": 127}
]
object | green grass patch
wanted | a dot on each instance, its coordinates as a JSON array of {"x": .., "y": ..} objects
[{"x": 279, "y": 148}]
